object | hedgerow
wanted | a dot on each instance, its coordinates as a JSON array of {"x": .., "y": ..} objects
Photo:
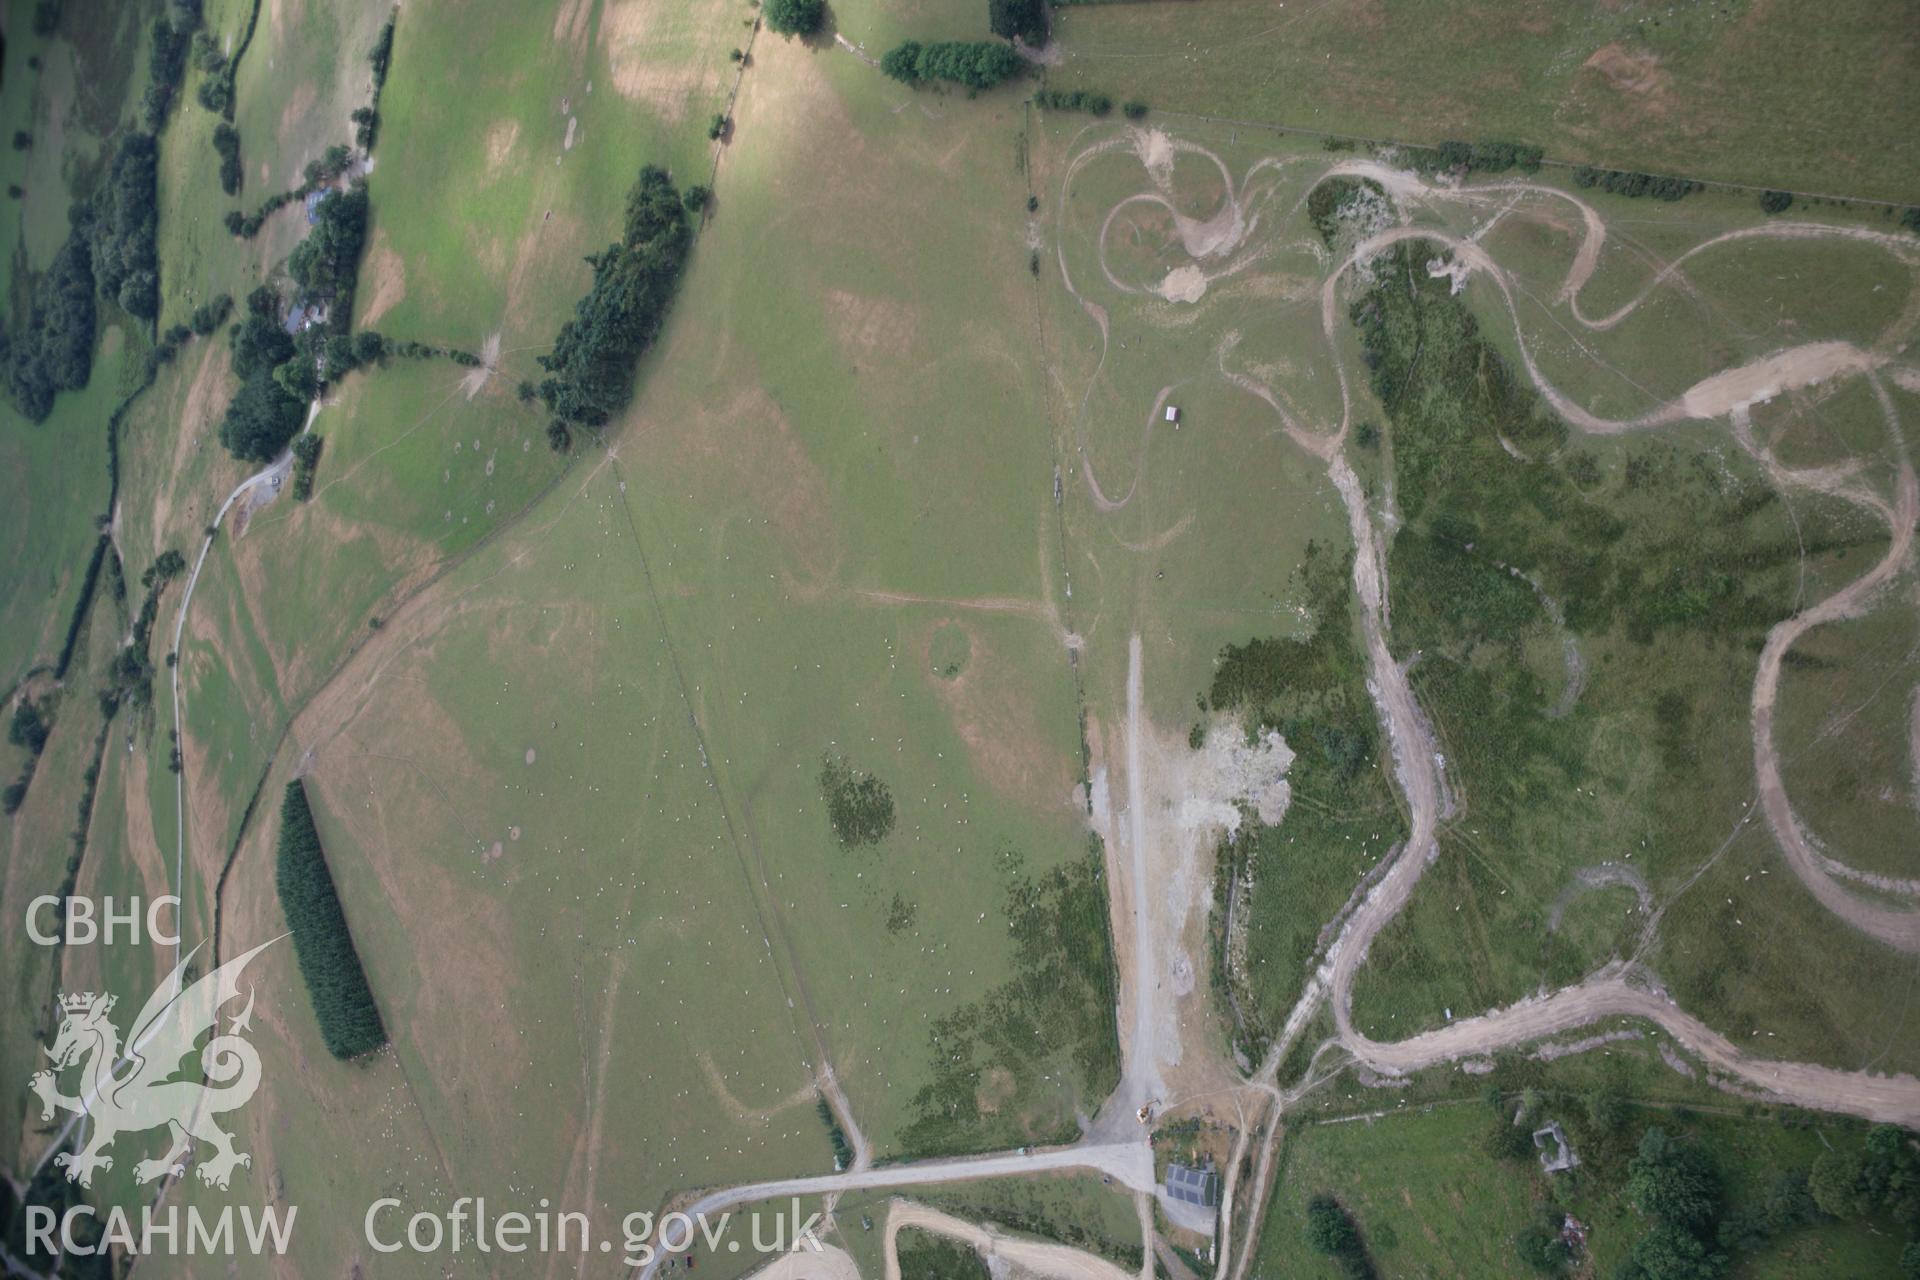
[
  {"x": 88, "y": 581},
  {"x": 367, "y": 119},
  {"x": 331, "y": 164},
  {"x": 1479, "y": 157},
  {"x": 382, "y": 56},
  {"x": 172, "y": 37},
  {"x": 350, "y": 1023},
  {"x": 306, "y": 455},
  {"x": 1073, "y": 100},
  {"x": 1633, "y": 185}
]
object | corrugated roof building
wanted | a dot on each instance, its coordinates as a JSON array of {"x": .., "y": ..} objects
[{"x": 1191, "y": 1186}]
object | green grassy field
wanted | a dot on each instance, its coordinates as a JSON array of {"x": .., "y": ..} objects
[
  {"x": 1429, "y": 1200},
  {"x": 894, "y": 490},
  {"x": 497, "y": 173},
  {"x": 1845, "y": 716},
  {"x": 40, "y": 856},
  {"x": 54, "y": 494},
  {"x": 1740, "y": 92},
  {"x": 844, "y": 672}
]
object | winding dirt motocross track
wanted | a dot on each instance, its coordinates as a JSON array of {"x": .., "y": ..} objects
[
  {"x": 1218, "y": 248},
  {"x": 1615, "y": 992}
]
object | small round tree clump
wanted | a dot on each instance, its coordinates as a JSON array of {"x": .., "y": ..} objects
[{"x": 795, "y": 17}]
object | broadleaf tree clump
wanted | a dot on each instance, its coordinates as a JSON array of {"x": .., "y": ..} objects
[
  {"x": 327, "y": 262},
  {"x": 263, "y": 415},
  {"x": 1332, "y": 1231},
  {"x": 977, "y": 64},
  {"x": 859, "y": 805},
  {"x": 795, "y": 17},
  {"x": 125, "y": 226},
  {"x": 53, "y": 350},
  {"x": 1026, "y": 19},
  {"x": 343, "y": 1002},
  {"x": 592, "y": 362}
]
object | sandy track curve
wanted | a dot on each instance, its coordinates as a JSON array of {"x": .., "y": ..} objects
[
  {"x": 830, "y": 1262},
  {"x": 1128, "y": 1163},
  {"x": 1897, "y": 927},
  {"x": 1891, "y": 1098},
  {"x": 1057, "y": 1260},
  {"x": 1913, "y": 747}
]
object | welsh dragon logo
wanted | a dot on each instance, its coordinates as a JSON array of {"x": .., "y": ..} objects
[{"x": 142, "y": 1086}]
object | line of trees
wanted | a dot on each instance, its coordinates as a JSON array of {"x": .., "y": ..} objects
[
  {"x": 216, "y": 84},
  {"x": 318, "y": 174},
  {"x": 977, "y": 64},
  {"x": 172, "y": 37},
  {"x": 28, "y": 729},
  {"x": 110, "y": 247},
  {"x": 130, "y": 678},
  {"x": 842, "y": 1152},
  {"x": 1073, "y": 100},
  {"x": 217, "y": 92},
  {"x": 1623, "y": 182},
  {"x": 306, "y": 456},
  {"x": 1479, "y": 157},
  {"x": 591, "y": 366},
  {"x": 350, "y": 1022},
  {"x": 367, "y": 119}
]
